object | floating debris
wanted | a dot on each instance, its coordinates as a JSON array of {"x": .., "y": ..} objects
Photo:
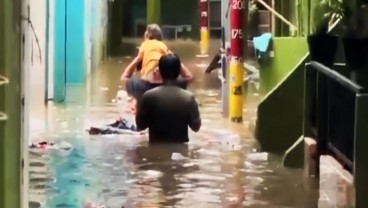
[
  {"x": 50, "y": 145},
  {"x": 121, "y": 126},
  {"x": 258, "y": 156},
  {"x": 90, "y": 204},
  {"x": 177, "y": 156}
]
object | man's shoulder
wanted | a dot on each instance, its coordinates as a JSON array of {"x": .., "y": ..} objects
[
  {"x": 159, "y": 91},
  {"x": 186, "y": 93},
  {"x": 150, "y": 93}
]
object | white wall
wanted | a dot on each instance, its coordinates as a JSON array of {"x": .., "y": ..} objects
[
  {"x": 99, "y": 30},
  {"x": 50, "y": 86},
  {"x": 25, "y": 131},
  {"x": 96, "y": 31},
  {"x": 37, "y": 67}
]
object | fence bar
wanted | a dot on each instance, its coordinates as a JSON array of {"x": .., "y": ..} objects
[
  {"x": 322, "y": 118},
  {"x": 338, "y": 77},
  {"x": 341, "y": 157},
  {"x": 360, "y": 150},
  {"x": 309, "y": 101}
]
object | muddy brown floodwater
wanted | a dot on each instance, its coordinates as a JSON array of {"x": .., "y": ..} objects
[{"x": 217, "y": 168}]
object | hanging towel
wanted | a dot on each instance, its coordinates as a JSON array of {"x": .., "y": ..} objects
[{"x": 261, "y": 45}]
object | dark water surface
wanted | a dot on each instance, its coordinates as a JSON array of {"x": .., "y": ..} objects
[{"x": 218, "y": 168}]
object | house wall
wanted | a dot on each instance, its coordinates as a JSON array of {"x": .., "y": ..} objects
[{"x": 77, "y": 42}]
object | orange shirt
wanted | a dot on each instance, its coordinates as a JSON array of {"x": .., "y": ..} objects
[{"x": 151, "y": 51}]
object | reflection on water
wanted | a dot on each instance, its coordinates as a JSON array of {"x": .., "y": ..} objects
[
  {"x": 216, "y": 169},
  {"x": 213, "y": 170}
]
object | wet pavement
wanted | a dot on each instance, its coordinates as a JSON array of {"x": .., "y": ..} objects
[{"x": 219, "y": 167}]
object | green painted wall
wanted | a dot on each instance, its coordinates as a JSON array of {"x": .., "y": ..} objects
[
  {"x": 288, "y": 52},
  {"x": 280, "y": 117},
  {"x": 10, "y": 102},
  {"x": 286, "y": 8},
  {"x": 164, "y": 12},
  {"x": 175, "y": 12},
  {"x": 295, "y": 11},
  {"x": 280, "y": 114},
  {"x": 153, "y": 11},
  {"x": 115, "y": 27}
]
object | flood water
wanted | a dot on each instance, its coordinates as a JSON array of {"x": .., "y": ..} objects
[{"x": 218, "y": 168}]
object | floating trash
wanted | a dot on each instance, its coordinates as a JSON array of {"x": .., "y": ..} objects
[
  {"x": 177, "y": 156},
  {"x": 258, "y": 156},
  {"x": 50, "y": 145},
  {"x": 64, "y": 124},
  {"x": 121, "y": 126},
  {"x": 90, "y": 204},
  {"x": 202, "y": 55},
  {"x": 41, "y": 145},
  {"x": 65, "y": 145}
]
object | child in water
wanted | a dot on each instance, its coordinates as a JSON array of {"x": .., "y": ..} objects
[{"x": 150, "y": 51}]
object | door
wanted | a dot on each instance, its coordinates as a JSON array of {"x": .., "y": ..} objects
[{"x": 59, "y": 59}]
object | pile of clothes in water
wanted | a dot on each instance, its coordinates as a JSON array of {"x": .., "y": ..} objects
[
  {"x": 50, "y": 145},
  {"x": 120, "y": 126},
  {"x": 126, "y": 106}
]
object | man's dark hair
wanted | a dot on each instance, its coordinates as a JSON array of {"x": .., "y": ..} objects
[{"x": 169, "y": 67}]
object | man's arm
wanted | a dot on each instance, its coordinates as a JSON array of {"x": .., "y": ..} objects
[
  {"x": 194, "y": 116},
  {"x": 186, "y": 73},
  {"x": 129, "y": 70},
  {"x": 142, "y": 117}
]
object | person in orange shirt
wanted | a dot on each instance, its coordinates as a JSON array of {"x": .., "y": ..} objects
[{"x": 150, "y": 52}]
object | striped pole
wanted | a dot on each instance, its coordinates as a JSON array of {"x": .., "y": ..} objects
[
  {"x": 203, "y": 24},
  {"x": 237, "y": 9}
]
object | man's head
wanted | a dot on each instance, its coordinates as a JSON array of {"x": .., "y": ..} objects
[
  {"x": 169, "y": 67},
  {"x": 153, "y": 32}
]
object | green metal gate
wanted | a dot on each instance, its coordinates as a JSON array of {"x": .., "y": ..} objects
[{"x": 10, "y": 104}]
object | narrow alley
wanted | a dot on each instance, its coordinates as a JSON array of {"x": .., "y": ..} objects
[
  {"x": 219, "y": 167},
  {"x": 60, "y": 68}
]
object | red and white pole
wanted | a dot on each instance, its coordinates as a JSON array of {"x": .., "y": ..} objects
[
  {"x": 203, "y": 25},
  {"x": 236, "y": 74}
]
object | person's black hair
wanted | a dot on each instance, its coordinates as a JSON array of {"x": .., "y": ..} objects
[{"x": 169, "y": 66}]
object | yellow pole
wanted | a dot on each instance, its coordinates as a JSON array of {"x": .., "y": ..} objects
[
  {"x": 205, "y": 36},
  {"x": 236, "y": 99},
  {"x": 236, "y": 71},
  {"x": 203, "y": 24}
]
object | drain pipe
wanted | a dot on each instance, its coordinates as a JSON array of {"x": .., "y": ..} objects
[
  {"x": 225, "y": 23},
  {"x": 47, "y": 37},
  {"x": 236, "y": 75}
]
